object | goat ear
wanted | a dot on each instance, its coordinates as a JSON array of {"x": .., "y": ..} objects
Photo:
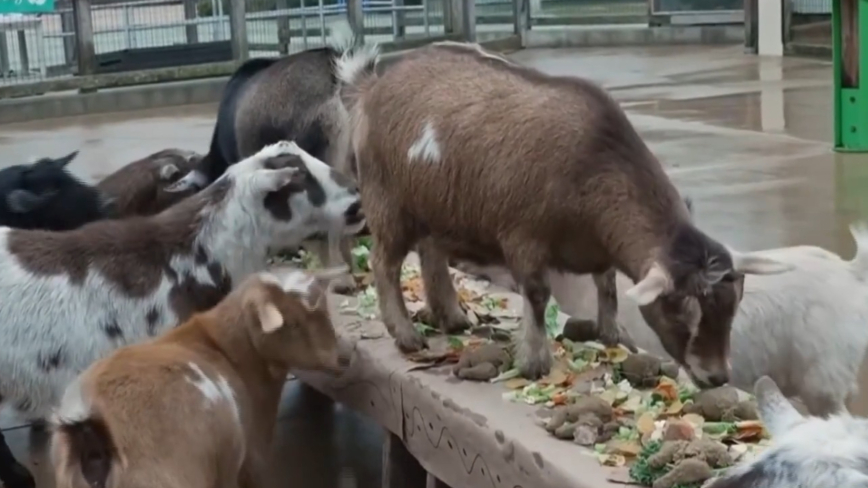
[
  {"x": 24, "y": 201},
  {"x": 688, "y": 202},
  {"x": 753, "y": 263},
  {"x": 108, "y": 205},
  {"x": 169, "y": 171},
  {"x": 270, "y": 318},
  {"x": 195, "y": 179},
  {"x": 269, "y": 180},
  {"x": 655, "y": 283},
  {"x": 62, "y": 162},
  {"x": 776, "y": 412}
]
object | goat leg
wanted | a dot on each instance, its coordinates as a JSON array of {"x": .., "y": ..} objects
[
  {"x": 344, "y": 285},
  {"x": 440, "y": 291},
  {"x": 533, "y": 354},
  {"x": 386, "y": 265},
  {"x": 607, "y": 312},
  {"x": 12, "y": 473}
]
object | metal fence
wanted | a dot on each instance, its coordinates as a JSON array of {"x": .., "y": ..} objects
[{"x": 130, "y": 35}]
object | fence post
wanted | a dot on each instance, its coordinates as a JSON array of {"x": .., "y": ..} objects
[
  {"x": 238, "y": 30},
  {"x": 191, "y": 14},
  {"x": 519, "y": 19},
  {"x": 84, "y": 38},
  {"x": 448, "y": 23},
  {"x": 399, "y": 19},
  {"x": 67, "y": 25},
  {"x": 456, "y": 10},
  {"x": 356, "y": 17},
  {"x": 283, "y": 35},
  {"x": 468, "y": 20},
  {"x": 750, "y": 26}
]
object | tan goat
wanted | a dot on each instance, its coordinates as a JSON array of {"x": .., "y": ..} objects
[
  {"x": 468, "y": 155},
  {"x": 196, "y": 408}
]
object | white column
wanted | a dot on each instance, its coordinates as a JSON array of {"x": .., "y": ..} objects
[
  {"x": 770, "y": 25},
  {"x": 772, "y": 97}
]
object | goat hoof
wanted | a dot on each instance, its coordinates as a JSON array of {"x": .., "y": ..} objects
[
  {"x": 454, "y": 325},
  {"x": 618, "y": 337},
  {"x": 534, "y": 364},
  {"x": 18, "y": 477},
  {"x": 345, "y": 286},
  {"x": 410, "y": 341}
]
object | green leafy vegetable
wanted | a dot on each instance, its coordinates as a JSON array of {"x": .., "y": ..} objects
[
  {"x": 552, "y": 319},
  {"x": 645, "y": 475}
]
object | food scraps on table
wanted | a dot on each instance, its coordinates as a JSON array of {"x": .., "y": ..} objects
[{"x": 632, "y": 409}]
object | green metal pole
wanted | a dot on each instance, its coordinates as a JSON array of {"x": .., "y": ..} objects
[{"x": 851, "y": 102}]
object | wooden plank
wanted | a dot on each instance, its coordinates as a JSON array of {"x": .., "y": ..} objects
[
  {"x": 400, "y": 468},
  {"x": 433, "y": 482}
]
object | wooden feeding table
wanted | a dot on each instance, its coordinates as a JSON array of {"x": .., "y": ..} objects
[{"x": 448, "y": 428}]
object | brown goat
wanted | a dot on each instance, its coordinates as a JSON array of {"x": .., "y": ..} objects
[
  {"x": 473, "y": 157},
  {"x": 139, "y": 188},
  {"x": 196, "y": 408}
]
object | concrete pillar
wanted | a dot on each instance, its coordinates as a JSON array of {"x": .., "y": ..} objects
[
  {"x": 238, "y": 30},
  {"x": 84, "y": 38}
]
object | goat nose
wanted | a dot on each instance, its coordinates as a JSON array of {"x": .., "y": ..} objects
[
  {"x": 354, "y": 213},
  {"x": 718, "y": 379}
]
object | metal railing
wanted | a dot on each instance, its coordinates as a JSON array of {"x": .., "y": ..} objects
[
  {"x": 132, "y": 35},
  {"x": 143, "y": 24}
]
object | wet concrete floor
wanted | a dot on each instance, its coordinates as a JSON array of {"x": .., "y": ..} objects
[{"x": 748, "y": 138}]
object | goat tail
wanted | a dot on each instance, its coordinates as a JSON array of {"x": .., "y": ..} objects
[
  {"x": 85, "y": 453},
  {"x": 859, "y": 264},
  {"x": 355, "y": 62}
]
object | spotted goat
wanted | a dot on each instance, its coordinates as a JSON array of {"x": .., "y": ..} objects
[
  {"x": 467, "y": 155},
  {"x": 294, "y": 97},
  {"x": 70, "y": 298},
  {"x": 45, "y": 195},
  {"x": 139, "y": 188},
  {"x": 219, "y": 376},
  {"x": 807, "y": 452}
]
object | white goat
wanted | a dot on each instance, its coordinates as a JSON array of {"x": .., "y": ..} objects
[
  {"x": 808, "y": 452},
  {"x": 70, "y": 298}
]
